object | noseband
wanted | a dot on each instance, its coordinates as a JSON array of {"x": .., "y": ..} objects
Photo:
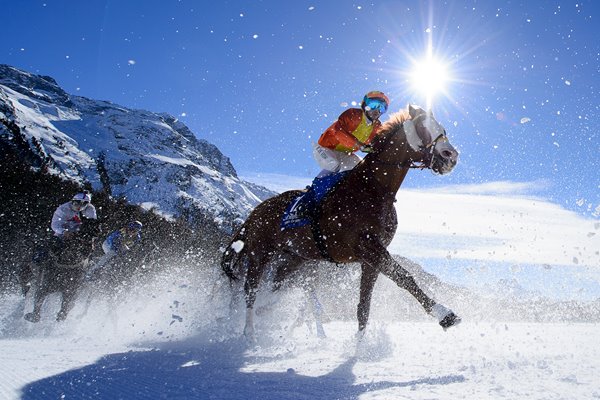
[{"x": 431, "y": 146}]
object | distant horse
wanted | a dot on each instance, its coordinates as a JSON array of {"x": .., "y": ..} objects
[
  {"x": 61, "y": 271},
  {"x": 354, "y": 223}
]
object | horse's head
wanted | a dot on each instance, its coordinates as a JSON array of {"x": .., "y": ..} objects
[
  {"x": 428, "y": 138},
  {"x": 415, "y": 139}
]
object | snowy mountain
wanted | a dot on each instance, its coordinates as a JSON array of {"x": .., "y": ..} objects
[{"x": 151, "y": 159}]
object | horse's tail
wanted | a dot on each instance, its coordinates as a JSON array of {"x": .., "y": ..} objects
[{"x": 234, "y": 253}]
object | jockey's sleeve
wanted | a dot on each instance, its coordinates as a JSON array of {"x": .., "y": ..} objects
[
  {"x": 59, "y": 221},
  {"x": 340, "y": 133},
  {"x": 89, "y": 212}
]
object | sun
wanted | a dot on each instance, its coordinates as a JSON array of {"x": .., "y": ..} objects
[{"x": 429, "y": 77}]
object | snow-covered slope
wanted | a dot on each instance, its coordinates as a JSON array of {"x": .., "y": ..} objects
[{"x": 151, "y": 159}]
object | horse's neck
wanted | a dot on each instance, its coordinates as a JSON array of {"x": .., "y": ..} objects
[
  {"x": 386, "y": 171},
  {"x": 386, "y": 178}
]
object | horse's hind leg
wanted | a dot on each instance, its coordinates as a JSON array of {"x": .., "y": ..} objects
[
  {"x": 287, "y": 265},
  {"x": 26, "y": 278},
  {"x": 68, "y": 301},
  {"x": 317, "y": 311},
  {"x": 41, "y": 291},
  {"x": 253, "y": 275},
  {"x": 291, "y": 265}
]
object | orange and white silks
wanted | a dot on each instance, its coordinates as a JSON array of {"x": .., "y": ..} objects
[{"x": 351, "y": 126}]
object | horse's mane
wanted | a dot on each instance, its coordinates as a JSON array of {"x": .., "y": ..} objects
[{"x": 394, "y": 123}]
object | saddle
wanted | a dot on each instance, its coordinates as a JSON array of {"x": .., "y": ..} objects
[{"x": 304, "y": 208}]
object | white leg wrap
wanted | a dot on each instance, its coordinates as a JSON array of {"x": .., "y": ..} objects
[{"x": 440, "y": 312}]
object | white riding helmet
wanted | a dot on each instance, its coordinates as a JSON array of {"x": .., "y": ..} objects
[{"x": 84, "y": 197}]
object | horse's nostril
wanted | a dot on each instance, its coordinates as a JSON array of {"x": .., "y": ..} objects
[{"x": 447, "y": 154}]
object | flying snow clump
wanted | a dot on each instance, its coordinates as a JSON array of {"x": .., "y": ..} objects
[{"x": 237, "y": 246}]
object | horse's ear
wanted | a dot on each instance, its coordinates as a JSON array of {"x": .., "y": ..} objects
[
  {"x": 414, "y": 111},
  {"x": 414, "y": 141}
]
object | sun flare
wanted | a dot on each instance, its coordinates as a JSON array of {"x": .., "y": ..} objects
[{"x": 429, "y": 77}]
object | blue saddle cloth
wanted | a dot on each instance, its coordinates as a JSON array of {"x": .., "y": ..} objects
[{"x": 302, "y": 208}]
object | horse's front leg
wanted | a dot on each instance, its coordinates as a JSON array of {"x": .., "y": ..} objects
[
  {"x": 367, "y": 282},
  {"x": 372, "y": 251}
]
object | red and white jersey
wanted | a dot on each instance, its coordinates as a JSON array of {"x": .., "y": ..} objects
[
  {"x": 352, "y": 125},
  {"x": 65, "y": 219}
]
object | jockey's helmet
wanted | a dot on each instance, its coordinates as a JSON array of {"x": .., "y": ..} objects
[
  {"x": 375, "y": 100},
  {"x": 84, "y": 197},
  {"x": 135, "y": 225},
  {"x": 80, "y": 201}
]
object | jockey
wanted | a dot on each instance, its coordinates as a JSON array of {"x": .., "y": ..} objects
[
  {"x": 66, "y": 221},
  {"x": 122, "y": 240},
  {"x": 118, "y": 243},
  {"x": 353, "y": 131},
  {"x": 67, "y": 218}
]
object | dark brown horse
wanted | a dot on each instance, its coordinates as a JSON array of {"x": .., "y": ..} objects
[
  {"x": 356, "y": 222},
  {"x": 61, "y": 270}
]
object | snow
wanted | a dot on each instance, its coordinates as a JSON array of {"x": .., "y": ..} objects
[
  {"x": 172, "y": 338},
  {"x": 171, "y": 160},
  {"x": 237, "y": 246}
]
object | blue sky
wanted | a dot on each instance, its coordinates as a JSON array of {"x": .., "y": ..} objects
[{"x": 263, "y": 79}]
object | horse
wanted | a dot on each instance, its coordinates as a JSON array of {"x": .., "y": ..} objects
[
  {"x": 355, "y": 222},
  {"x": 62, "y": 269}
]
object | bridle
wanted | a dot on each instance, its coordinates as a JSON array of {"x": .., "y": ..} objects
[
  {"x": 431, "y": 146},
  {"x": 427, "y": 151}
]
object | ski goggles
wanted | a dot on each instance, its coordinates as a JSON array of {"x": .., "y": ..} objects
[{"x": 376, "y": 104}]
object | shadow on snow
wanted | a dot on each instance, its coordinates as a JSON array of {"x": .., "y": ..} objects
[{"x": 204, "y": 371}]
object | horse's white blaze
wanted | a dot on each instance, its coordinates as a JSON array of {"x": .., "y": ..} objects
[{"x": 434, "y": 128}]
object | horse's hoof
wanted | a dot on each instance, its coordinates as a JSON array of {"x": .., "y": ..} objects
[
  {"x": 250, "y": 337},
  {"x": 445, "y": 316},
  {"x": 31, "y": 317},
  {"x": 450, "y": 320}
]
